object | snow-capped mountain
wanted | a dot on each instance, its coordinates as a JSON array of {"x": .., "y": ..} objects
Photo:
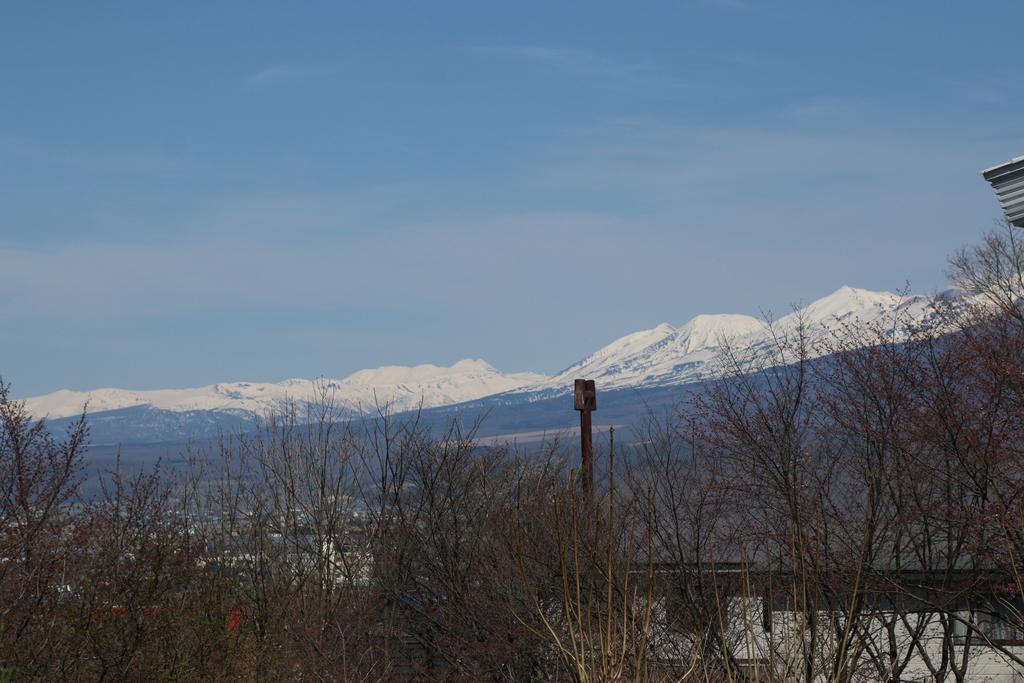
[
  {"x": 663, "y": 356},
  {"x": 402, "y": 388},
  {"x": 668, "y": 355}
]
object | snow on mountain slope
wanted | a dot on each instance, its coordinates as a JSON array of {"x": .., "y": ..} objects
[
  {"x": 663, "y": 355},
  {"x": 848, "y": 304},
  {"x": 404, "y": 388},
  {"x": 653, "y": 355},
  {"x": 677, "y": 355}
]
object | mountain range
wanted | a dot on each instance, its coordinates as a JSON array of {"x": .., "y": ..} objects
[
  {"x": 663, "y": 356},
  {"x": 402, "y": 388}
]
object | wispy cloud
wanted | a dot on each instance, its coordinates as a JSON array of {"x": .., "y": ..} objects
[
  {"x": 223, "y": 270},
  {"x": 822, "y": 109},
  {"x": 995, "y": 88},
  {"x": 728, "y": 4},
  {"x": 280, "y": 74},
  {"x": 585, "y": 64},
  {"x": 19, "y": 149}
]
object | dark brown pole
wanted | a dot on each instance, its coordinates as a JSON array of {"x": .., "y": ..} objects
[
  {"x": 585, "y": 395},
  {"x": 587, "y": 449}
]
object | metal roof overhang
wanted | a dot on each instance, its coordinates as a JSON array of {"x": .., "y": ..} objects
[{"x": 1008, "y": 182}]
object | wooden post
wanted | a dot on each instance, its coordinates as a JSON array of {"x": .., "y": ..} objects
[{"x": 586, "y": 402}]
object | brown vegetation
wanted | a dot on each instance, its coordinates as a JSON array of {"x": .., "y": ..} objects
[{"x": 857, "y": 518}]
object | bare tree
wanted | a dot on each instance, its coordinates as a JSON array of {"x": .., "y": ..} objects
[
  {"x": 993, "y": 270},
  {"x": 39, "y": 477}
]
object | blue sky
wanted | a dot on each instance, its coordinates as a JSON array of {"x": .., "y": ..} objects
[{"x": 227, "y": 191}]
